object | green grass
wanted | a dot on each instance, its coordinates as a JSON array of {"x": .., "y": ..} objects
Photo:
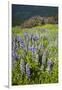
[{"x": 51, "y": 43}]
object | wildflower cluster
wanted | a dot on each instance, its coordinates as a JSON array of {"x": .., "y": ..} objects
[{"x": 33, "y": 53}]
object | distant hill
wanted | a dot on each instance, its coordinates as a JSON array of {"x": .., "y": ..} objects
[{"x": 20, "y": 13}]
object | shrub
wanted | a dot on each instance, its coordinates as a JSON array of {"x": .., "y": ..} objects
[{"x": 38, "y": 20}]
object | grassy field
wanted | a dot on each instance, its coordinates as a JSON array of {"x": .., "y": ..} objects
[{"x": 41, "y": 65}]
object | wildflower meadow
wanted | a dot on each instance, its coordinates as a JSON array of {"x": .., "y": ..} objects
[{"x": 35, "y": 55}]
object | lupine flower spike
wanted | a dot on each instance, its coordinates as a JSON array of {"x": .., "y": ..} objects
[
  {"x": 22, "y": 66},
  {"x": 28, "y": 71},
  {"x": 49, "y": 65}
]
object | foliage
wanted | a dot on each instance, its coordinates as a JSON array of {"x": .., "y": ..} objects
[
  {"x": 35, "y": 55},
  {"x": 38, "y": 21}
]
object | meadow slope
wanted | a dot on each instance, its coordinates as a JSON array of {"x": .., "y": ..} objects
[{"x": 38, "y": 72}]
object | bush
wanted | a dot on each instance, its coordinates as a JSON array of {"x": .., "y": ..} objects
[{"x": 38, "y": 20}]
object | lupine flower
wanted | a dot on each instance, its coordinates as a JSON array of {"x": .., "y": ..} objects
[
  {"x": 22, "y": 66},
  {"x": 44, "y": 58},
  {"x": 21, "y": 41},
  {"x": 16, "y": 47},
  {"x": 22, "y": 44},
  {"x": 33, "y": 49},
  {"x": 31, "y": 35},
  {"x": 29, "y": 47},
  {"x": 32, "y": 40},
  {"x": 26, "y": 37},
  {"x": 49, "y": 64},
  {"x": 18, "y": 38},
  {"x": 13, "y": 55},
  {"x": 37, "y": 36},
  {"x": 28, "y": 71},
  {"x": 25, "y": 34},
  {"x": 13, "y": 43},
  {"x": 16, "y": 56}
]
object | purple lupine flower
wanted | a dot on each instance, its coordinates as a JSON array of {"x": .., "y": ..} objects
[
  {"x": 28, "y": 71},
  {"x": 32, "y": 40},
  {"x": 25, "y": 34},
  {"x": 16, "y": 47},
  {"x": 16, "y": 56},
  {"x": 13, "y": 55},
  {"x": 31, "y": 35},
  {"x": 36, "y": 36},
  {"x": 44, "y": 58},
  {"x": 33, "y": 49},
  {"x": 49, "y": 65},
  {"x": 21, "y": 41},
  {"x": 49, "y": 62},
  {"x": 29, "y": 47},
  {"x": 22, "y": 68},
  {"x": 18, "y": 38},
  {"x": 22, "y": 44},
  {"x": 13, "y": 43}
]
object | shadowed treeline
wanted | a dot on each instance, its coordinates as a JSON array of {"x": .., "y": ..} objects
[{"x": 21, "y": 13}]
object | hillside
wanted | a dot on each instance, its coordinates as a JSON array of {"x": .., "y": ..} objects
[{"x": 24, "y": 12}]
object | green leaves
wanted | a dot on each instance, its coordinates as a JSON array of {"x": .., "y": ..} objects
[{"x": 38, "y": 71}]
